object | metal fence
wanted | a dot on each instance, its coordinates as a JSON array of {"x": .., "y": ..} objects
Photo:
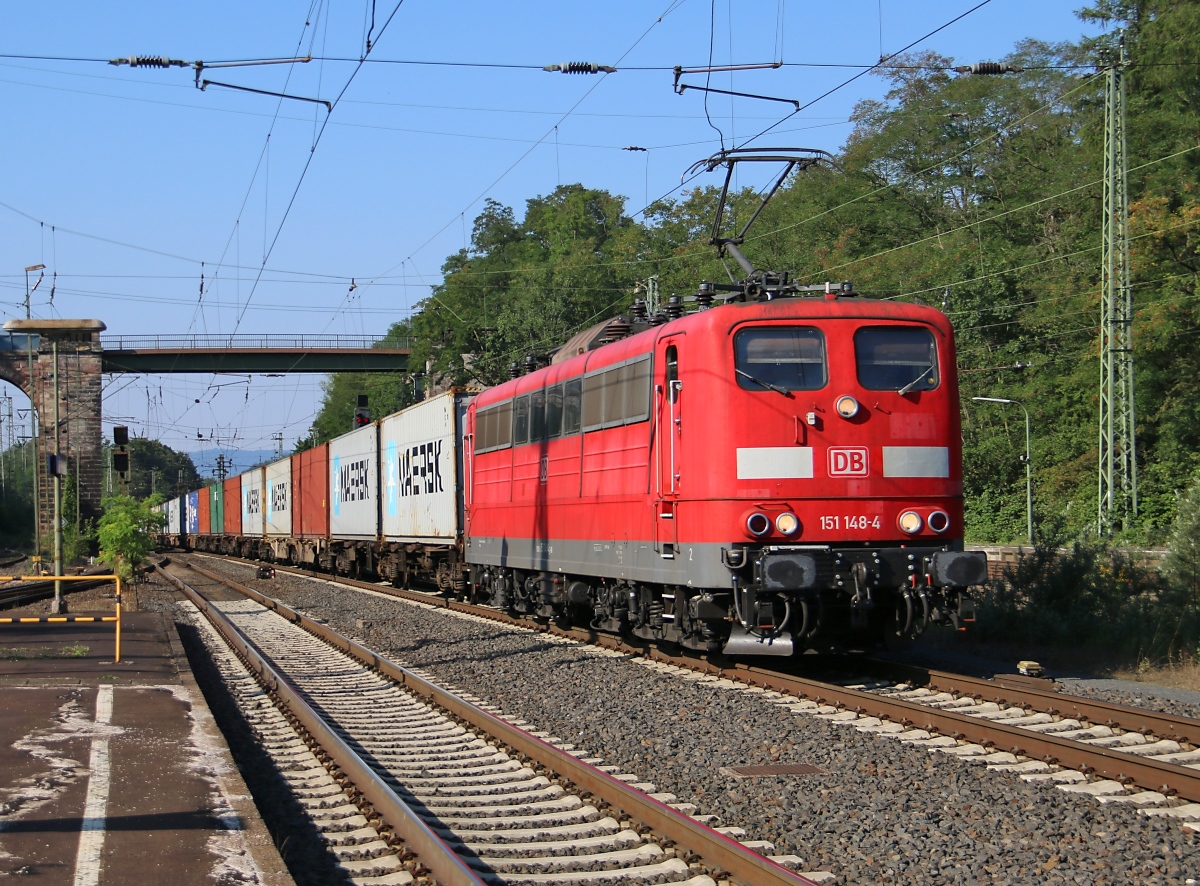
[{"x": 248, "y": 342}]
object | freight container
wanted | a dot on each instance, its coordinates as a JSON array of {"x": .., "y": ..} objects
[
  {"x": 419, "y": 465},
  {"x": 232, "y": 504},
  {"x": 278, "y": 495},
  {"x": 310, "y": 492},
  {"x": 174, "y": 518},
  {"x": 216, "y": 494},
  {"x": 253, "y": 523},
  {"x": 191, "y": 504},
  {"x": 204, "y": 510},
  {"x": 353, "y": 484}
]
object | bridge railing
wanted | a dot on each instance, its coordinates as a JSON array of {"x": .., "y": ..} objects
[{"x": 248, "y": 342}]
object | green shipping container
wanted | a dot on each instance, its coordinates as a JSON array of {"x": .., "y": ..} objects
[{"x": 217, "y": 518}]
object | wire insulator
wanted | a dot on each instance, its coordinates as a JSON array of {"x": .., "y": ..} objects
[
  {"x": 992, "y": 68},
  {"x": 581, "y": 68}
]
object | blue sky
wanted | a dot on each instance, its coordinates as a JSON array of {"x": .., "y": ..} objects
[{"x": 124, "y": 181}]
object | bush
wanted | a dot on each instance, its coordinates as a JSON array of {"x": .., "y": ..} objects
[
  {"x": 1084, "y": 594},
  {"x": 126, "y": 532},
  {"x": 1181, "y": 567}
]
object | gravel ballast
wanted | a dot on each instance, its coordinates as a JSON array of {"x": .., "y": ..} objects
[{"x": 878, "y": 812}]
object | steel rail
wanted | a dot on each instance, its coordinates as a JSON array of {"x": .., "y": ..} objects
[
  {"x": 1168, "y": 778},
  {"x": 433, "y": 852},
  {"x": 1051, "y": 701},
  {"x": 726, "y": 855}
]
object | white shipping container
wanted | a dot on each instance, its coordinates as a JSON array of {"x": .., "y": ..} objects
[
  {"x": 279, "y": 497},
  {"x": 173, "y": 517},
  {"x": 419, "y": 464},
  {"x": 354, "y": 484},
  {"x": 253, "y": 510}
]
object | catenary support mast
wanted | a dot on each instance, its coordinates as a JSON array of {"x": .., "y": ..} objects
[{"x": 1118, "y": 494}]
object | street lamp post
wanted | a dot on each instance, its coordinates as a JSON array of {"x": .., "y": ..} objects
[{"x": 1028, "y": 459}]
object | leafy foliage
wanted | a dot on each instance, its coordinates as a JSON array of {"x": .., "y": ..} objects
[
  {"x": 1182, "y": 564},
  {"x": 1070, "y": 593},
  {"x": 980, "y": 195},
  {"x": 125, "y": 531},
  {"x": 16, "y": 505},
  {"x": 386, "y": 393},
  {"x": 157, "y": 468}
]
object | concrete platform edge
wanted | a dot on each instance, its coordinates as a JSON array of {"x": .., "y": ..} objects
[{"x": 258, "y": 839}]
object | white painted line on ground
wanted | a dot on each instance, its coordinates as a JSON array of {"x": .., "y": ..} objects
[{"x": 95, "y": 808}]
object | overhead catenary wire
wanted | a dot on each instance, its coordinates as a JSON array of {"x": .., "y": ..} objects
[
  {"x": 308, "y": 163},
  {"x": 671, "y": 7},
  {"x": 540, "y": 66}
]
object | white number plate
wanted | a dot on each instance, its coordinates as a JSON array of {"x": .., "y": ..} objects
[{"x": 849, "y": 521}]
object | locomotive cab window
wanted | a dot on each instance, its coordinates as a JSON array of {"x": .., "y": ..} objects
[
  {"x": 781, "y": 358},
  {"x": 896, "y": 358}
]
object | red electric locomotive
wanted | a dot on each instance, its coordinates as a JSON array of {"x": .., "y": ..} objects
[{"x": 778, "y": 471}]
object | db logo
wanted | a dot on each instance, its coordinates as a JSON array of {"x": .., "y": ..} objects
[{"x": 848, "y": 461}]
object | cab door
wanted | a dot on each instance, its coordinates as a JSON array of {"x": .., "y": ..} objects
[{"x": 668, "y": 436}]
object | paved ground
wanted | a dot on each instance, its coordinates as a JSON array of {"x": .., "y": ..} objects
[{"x": 116, "y": 773}]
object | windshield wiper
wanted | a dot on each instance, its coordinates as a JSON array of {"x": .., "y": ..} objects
[
  {"x": 920, "y": 377},
  {"x": 765, "y": 384}
]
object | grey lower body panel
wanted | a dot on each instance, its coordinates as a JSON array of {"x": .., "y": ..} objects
[
  {"x": 693, "y": 565},
  {"x": 701, "y": 565}
]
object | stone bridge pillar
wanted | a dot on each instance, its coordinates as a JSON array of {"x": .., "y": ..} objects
[{"x": 78, "y": 428}]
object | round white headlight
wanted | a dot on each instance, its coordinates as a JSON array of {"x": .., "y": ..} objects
[
  {"x": 847, "y": 406},
  {"x": 910, "y": 522},
  {"x": 787, "y": 523}
]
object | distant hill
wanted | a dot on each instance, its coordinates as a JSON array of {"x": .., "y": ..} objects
[{"x": 236, "y": 460}]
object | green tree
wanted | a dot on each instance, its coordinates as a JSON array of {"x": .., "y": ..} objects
[
  {"x": 157, "y": 468},
  {"x": 126, "y": 532},
  {"x": 386, "y": 393},
  {"x": 1181, "y": 567},
  {"x": 979, "y": 195},
  {"x": 526, "y": 287},
  {"x": 16, "y": 504}
]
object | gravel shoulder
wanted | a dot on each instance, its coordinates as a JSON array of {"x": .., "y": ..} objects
[{"x": 878, "y": 811}]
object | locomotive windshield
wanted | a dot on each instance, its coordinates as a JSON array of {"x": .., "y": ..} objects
[
  {"x": 780, "y": 358},
  {"x": 896, "y": 358}
]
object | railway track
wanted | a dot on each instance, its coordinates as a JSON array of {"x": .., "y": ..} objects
[
  {"x": 1114, "y": 752},
  {"x": 439, "y": 784}
]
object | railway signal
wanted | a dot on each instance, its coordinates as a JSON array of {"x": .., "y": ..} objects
[
  {"x": 362, "y": 414},
  {"x": 120, "y": 456}
]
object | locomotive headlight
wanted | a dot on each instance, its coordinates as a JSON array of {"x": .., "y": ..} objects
[
  {"x": 787, "y": 523},
  {"x": 939, "y": 521},
  {"x": 910, "y": 522},
  {"x": 758, "y": 524},
  {"x": 847, "y": 406}
]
